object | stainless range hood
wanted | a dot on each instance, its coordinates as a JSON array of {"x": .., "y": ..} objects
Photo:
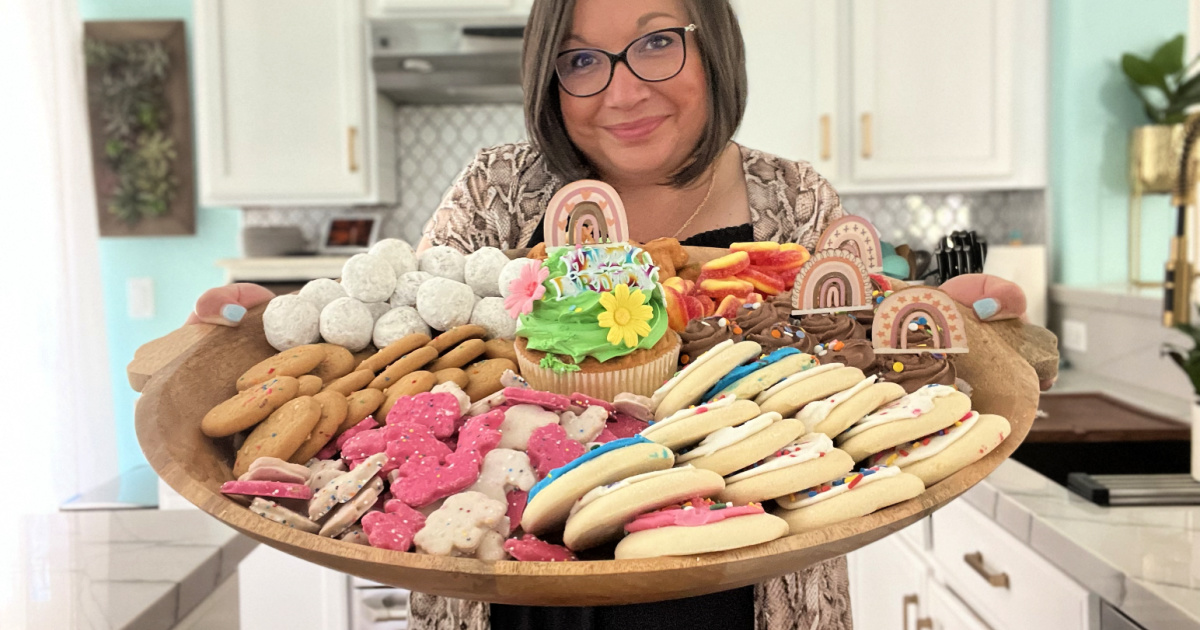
[{"x": 447, "y": 61}]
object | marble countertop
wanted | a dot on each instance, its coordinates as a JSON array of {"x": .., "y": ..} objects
[{"x": 136, "y": 569}]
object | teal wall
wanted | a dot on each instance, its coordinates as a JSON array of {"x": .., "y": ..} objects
[
  {"x": 1092, "y": 113},
  {"x": 182, "y": 267}
]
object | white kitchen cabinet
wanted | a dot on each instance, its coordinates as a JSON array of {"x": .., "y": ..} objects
[
  {"x": 945, "y": 611},
  {"x": 888, "y": 582},
  {"x": 285, "y": 105},
  {"x": 448, "y": 8},
  {"x": 792, "y": 106}
]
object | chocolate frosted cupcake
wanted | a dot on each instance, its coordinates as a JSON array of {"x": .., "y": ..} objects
[
  {"x": 783, "y": 335},
  {"x": 701, "y": 335},
  {"x": 914, "y": 371},
  {"x": 857, "y": 353},
  {"x": 827, "y": 327}
]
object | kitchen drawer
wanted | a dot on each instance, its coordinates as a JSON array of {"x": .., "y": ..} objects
[
  {"x": 945, "y": 611},
  {"x": 1036, "y": 594}
]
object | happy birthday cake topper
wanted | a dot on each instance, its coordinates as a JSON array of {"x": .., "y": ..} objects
[
  {"x": 915, "y": 308},
  {"x": 585, "y": 212},
  {"x": 833, "y": 281},
  {"x": 857, "y": 236}
]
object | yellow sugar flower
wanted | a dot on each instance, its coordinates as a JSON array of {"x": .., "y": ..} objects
[{"x": 626, "y": 316}]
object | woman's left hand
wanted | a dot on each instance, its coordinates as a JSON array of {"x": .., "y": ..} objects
[{"x": 991, "y": 299}]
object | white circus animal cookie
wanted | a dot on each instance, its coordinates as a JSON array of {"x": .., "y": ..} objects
[
  {"x": 273, "y": 511},
  {"x": 368, "y": 278},
  {"x": 406, "y": 288},
  {"x": 459, "y": 525},
  {"x": 443, "y": 262},
  {"x": 444, "y": 303},
  {"x": 503, "y": 470},
  {"x": 347, "y": 322},
  {"x": 348, "y": 513},
  {"x": 520, "y": 421},
  {"x": 322, "y": 291},
  {"x": 345, "y": 486},
  {"x": 452, "y": 388},
  {"x": 584, "y": 427},
  {"x": 291, "y": 321},
  {"x": 398, "y": 323},
  {"x": 398, "y": 254},
  {"x": 482, "y": 271},
  {"x": 322, "y": 471},
  {"x": 490, "y": 313}
]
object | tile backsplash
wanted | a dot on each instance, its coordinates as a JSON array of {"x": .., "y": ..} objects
[{"x": 435, "y": 142}]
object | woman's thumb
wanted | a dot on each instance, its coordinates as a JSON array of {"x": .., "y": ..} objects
[{"x": 227, "y": 305}]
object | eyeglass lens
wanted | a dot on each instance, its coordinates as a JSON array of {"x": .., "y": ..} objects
[{"x": 654, "y": 57}]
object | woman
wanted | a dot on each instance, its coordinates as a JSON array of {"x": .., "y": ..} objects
[{"x": 645, "y": 96}]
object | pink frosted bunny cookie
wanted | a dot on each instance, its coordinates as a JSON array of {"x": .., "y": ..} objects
[{"x": 420, "y": 482}]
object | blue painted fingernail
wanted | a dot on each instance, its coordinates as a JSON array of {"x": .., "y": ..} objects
[
  {"x": 233, "y": 312},
  {"x": 986, "y": 308}
]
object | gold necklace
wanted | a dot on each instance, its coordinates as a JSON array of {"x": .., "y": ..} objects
[{"x": 711, "y": 183}]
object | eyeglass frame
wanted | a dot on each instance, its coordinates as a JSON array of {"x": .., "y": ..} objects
[{"x": 623, "y": 56}]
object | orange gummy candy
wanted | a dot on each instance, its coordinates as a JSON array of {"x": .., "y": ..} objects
[
  {"x": 764, "y": 283},
  {"x": 719, "y": 288},
  {"x": 725, "y": 266}
]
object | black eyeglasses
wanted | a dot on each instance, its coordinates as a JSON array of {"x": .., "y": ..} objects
[{"x": 654, "y": 57}]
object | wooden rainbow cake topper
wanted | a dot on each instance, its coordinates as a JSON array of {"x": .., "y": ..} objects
[
  {"x": 832, "y": 281},
  {"x": 857, "y": 236},
  {"x": 586, "y": 212},
  {"x": 911, "y": 309}
]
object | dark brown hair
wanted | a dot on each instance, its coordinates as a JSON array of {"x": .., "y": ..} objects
[{"x": 721, "y": 49}]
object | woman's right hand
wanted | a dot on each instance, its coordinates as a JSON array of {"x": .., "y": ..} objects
[{"x": 227, "y": 305}]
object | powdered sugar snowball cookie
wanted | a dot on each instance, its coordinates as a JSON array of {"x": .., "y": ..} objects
[
  {"x": 378, "y": 309},
  {"x": 399, "y": 255},
  {"x": 482, "y": 271},
  {"x": 444, "y": 262},
  {"x": 397, "y": 324},
  {"x": 348, "y": 323},
  {"x": 444, "y": 303},
  {"x": 368, "y": 278},
  {"x": 511, "y": 271},
  {"x": 322, "y": 291},
  {"x": 407, "y": 286},
  {"x": 291, "y": 321},
  {"x": 491, "y": 314}
]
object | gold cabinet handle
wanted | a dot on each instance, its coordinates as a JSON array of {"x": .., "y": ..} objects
[
  {"x": 868, "y": 147},
  {"x": 352, "y": 147},
  {"x": 925, "y": 623},
  {"x": 975, "y": 561},
  {"x": 826, "y": 137},
  {"x": 909, "y": 600}
]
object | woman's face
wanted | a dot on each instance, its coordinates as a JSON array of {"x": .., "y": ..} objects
[{"x": 635, "y": 130}]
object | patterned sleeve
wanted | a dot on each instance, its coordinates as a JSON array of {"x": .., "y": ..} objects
[
  {"x": 497, "y": 201},
  {"x": 789, "y": 201}
]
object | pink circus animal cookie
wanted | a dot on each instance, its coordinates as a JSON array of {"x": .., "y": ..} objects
[
  {"x": 332, "y": 449},
  {"x": 394, "y": 528},
  {"x": 529, "y": 549},
  {"x": 481, "y": 434},
  {"x": 586, "y": 425},
  {"x": 436, "y": 411},
  {"x": 545, "y": 400},
  {"x": 459, "y": 526},
  {"x": 344, "y": 487},
  {"x": 272, "y": 489},
  {"x": 517, "y": 500},
  {"x": 520, "y": 422},
  {"x": 422, "y": 481},
  {"x": 550, "y": 447},
  {"x": 579, "y": 402},
  {"x": 273, "y": 511},
  {"x": 625, "y": 426}
]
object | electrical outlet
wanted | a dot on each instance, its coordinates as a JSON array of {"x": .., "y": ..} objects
[
  {"x": 140, "y": 293},
  {"x": 1074, "y": 335}
]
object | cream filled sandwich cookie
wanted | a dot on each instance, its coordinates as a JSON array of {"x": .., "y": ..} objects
[
  {"x": 856, "y": 494},
  {"x": 941, "y": 454},
  {"x": 602, "y": 513},
  {"x": 809, "y": 461},
  {"x": 550, "y": 500},
  {"x": 837, "y": 413},
  {"x": 733, "y": 448},
  {"x": 688, "y": 386},
  {"x": 699, "y": 526},
  {"x": 689, "y": 426},
  {"x": 916, "y": 415},
  {"x": 794, "y": 392}
]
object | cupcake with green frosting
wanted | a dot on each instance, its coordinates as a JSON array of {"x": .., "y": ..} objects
[{"x": 592, "y": 319}]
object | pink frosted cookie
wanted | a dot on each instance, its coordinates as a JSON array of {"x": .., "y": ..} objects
[
  {"x": 634, "y": 405},
  {"x": 605, "y": 437},
  {"x": 692, "y": 514},
  {"x": 394, "y": 528},
  {"x": 273, "y": 511},
  {"x": 480, "y": 435},
  {"x": 529, "y": 549},
  {"x": 410, "y": 440},
  {"x": 626, "y": 426},
  {"x": 545, "y": 400},
  {"x": 583, "y": 401},
  {"x": 272, "y": 489},
  {"x": 550, "y": 447},
  {"x": 420, "y": 482},
  {"x": 367, "y": 424},
  {"x": 436, "y": 411},
  {"x": 699, "y": 526},
  {"x": 517, "y": 500}
]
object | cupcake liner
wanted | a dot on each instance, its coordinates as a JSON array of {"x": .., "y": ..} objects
[{"x": 639, "y": 379}]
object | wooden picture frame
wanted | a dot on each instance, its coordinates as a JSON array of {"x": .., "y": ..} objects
[
  {"x": 350, "y": 233},
  {"x": 180, "y": 217}
]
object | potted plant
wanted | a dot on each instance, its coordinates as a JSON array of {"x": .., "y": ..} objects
[
  {"x": 1189, "y": 360},
  {"x": 1166, "y": 90}
]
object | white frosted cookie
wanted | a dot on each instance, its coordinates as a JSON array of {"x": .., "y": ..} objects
[
  {"x": 291, "y": 321},
  {"x": 688, "y": 426},
  {"x": 368, "y": 278},
  {"x": 397, "y": 253},
  {"x": 398, "y": 323},
  {"x": 550, "y": 500},
  {"x": 918, "y": 414},
  {"x": 322, "y": 291},
  {"x": 688, "y": 386},
  {"x": 601, "y": 514},
  {"x": 490, "y": 313},
  {"x": 733, "y": 448},
  {"x": 836, "y": 413},
  {"x": 808, "y": 461},
  {"x": 407, "y": 286},
  {"x": 443, "y": 262},
  {"x": 941, "y": 454},
  {"x": 792, "y": 393},
  {"x": 444, "y": 304},
  {"x": 692, "y": 530},
  {"x": 482, "y": 271},
  {"x": 852, "y": 496},
  {"x": 348, "y": 323}
]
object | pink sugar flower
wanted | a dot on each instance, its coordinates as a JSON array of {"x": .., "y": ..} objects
[{"x": 525, "y": 290}]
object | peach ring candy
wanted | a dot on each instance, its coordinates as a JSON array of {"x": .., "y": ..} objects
[
  {"x": 720, "y": 288},
  {"x": 725, "y": 266}
]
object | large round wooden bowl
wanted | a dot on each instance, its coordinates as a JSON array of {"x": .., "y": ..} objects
[{"x": 177, "y": 396}]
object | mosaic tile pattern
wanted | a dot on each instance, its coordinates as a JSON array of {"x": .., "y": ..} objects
[{"x": 435, "y": 143}]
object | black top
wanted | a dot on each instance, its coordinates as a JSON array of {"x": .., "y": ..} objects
[{"x": 720, "y": 237}]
